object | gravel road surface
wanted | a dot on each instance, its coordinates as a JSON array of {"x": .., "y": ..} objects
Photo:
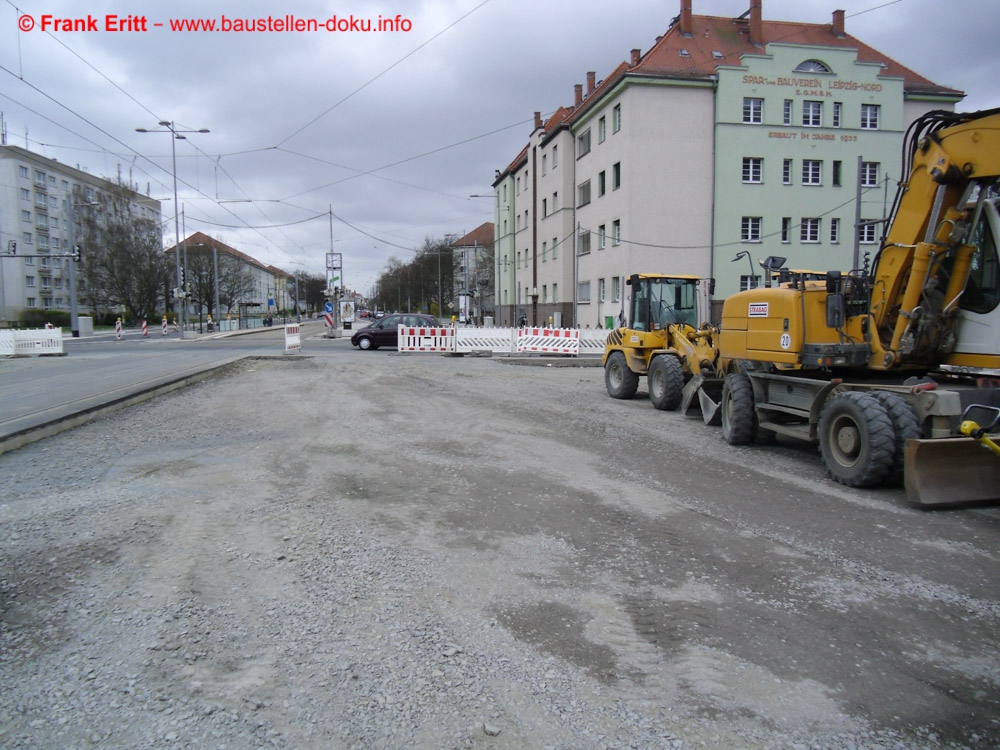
[{"x": 380, "y": 551}]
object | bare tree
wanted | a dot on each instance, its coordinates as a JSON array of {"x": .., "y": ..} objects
[{"x": 124, "y": 263}]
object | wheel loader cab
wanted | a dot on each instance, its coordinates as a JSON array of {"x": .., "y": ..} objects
[{"x": 659, "y": 301}]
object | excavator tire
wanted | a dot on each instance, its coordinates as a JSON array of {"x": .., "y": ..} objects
[
  {"x": 856, "y": 439},
  {"x": 739, "y": 422},
  {"x": 904, "y": 427},
  {"x": 666, "y": 382},
  {"x": 620, "y": 381}
]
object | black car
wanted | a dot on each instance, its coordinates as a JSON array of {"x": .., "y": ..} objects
[{"x": 385, "y": 332}]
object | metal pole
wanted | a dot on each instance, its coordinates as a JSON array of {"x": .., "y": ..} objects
[
  {"x": 857, "y": 219},
  {"x": 215, "y": 267},
  {"x": 177, "y": 230},
  {"x": 74, "y": 317}
]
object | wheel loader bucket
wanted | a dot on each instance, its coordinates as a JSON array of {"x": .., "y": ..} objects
[
  {"x": 950, "y": 471},
  {"x": 702, "y": 396}
]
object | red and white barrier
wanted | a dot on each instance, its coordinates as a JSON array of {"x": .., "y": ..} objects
[
  {"x": 328, "y": 320},
  {"x": 118, "y": 329},
  {"x": 418, "y": 339},
  {"x": 293, "y": 338},
  {"x": 164, "y": 326},
  {"x": 548, "y": 340},
  {"x": 145, "y": 332},
  {"x": 42, "y": 341}
]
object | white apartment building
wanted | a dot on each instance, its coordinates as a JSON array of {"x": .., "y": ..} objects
[
  {"x": 730, "y": 138},
  {"x": 44, "y": 210}
]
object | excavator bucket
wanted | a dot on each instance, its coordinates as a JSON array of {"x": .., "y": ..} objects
[
  {"x": 702, "y": 396},
  {"x": 950, "y": 471}
]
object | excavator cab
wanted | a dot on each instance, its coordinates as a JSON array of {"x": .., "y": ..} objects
[{"x": 660, "y": 301}]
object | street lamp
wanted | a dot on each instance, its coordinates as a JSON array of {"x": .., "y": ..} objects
[{"x": 176, "y": 136}]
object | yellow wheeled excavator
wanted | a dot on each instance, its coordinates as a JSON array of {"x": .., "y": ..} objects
[{"x": 879, "y": 366}]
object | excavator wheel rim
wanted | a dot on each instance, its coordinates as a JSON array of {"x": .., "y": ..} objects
[
  {"x": 856, "y": 439},
  {"x": 620, "y": 381},
  {"x": 666, "y": 382}
]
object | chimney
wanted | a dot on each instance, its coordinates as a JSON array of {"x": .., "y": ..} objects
[
  {"x": 538, "y": 120},
  {"x": 756, "y": 23},
  {"x": 686, "y": 25},
  {"x": 591, "y": 82},
  {"x": 838, "y": 23},
  {"x": 636, "y": 54},
  {"x": 578, "y": 98}
]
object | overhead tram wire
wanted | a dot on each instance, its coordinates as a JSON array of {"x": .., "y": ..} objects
[{"x": 365, "y": 85}]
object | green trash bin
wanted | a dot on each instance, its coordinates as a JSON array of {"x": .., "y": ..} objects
[{"x": 609, "y": 321}]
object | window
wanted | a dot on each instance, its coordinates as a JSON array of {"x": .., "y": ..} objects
[
  {"x": 786, "y": 113},
  {"x": 834, "y": 231},
  {"x": 545, "y": 207},
  {"x": 29, "y": 281},
  {"x": 545, "y": 164},
  {"x": 602, "y": 183},
  {"x": 26, "y": 237},
  {"x": 555, "y": 294},
  {"x": 837, "y": 168},
  {"x": 753, "y": 110},
  {"x": 584, "y": 242},
  {"x": 809, "y": 230},
  {"x": 40, "y": 177},
  {"x": 25, "y": 194},
  {"x": 869, "y": 116},
  {"x": 545, "y": 293},
  {"x": 555, "y": 248},
  {"x": 750, "y": 229},
  {"x": 518, "y": 259},
  {"x": 812, "y": 172},
  {"x": 812, "y": 114},
  {"x": 26, "y": 216},
  {"x": 600, "y": 290},
  {"x": 23, "y": 171},
  {"x": 867, "y": 232},
  {"x": 812, "y": 66},
  {"x": 838, "y": 110},
  {"x": 555, "y": 156},
  {"x": 583, "y": 194},
  {"x": 545, "y": 246},
  {"x": 869, "y": 173},
  {"x": 749, "y": 282},
  {"x": 30, "y": 302},
  {"x": 753, "y": 168},
  {"x": 616, "y": 232},
  {"x": 555, "y": 201},
  {"x": 583, "y": 291},
  {"x": 786, "y": 172},
  {"x": 616, "y": 176},
  {"x": 616, "y": 288},
  {"x": 786, "y": 229},
  {"x": 616, "y": 118},
  {"x": 602, "y": 130},
  {"x": 602, "y": 237},
  {"x": 583, "y": 144}
]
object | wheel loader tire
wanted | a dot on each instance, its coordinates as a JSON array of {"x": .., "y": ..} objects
[
  {"x": 856, "y": 439},
  {"x": 666, "y": 382},
  {"x": 904, "y": 427},
  {"x": 620, "y": 381},
  {"x": 738, "y": 419}
]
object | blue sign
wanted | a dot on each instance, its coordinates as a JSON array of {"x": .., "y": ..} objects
[{"x": 328, "y": 307}]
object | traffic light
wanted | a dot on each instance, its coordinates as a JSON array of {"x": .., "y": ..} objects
[
  {"x": 13, "y": 247},
  {"x": 183, "y": 281},
  {"x": 76, "y": 253}
]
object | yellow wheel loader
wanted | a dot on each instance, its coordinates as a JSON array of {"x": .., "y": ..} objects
[
  {"x": 878, "y": 367},
  {"x": 663, "y": 339}
]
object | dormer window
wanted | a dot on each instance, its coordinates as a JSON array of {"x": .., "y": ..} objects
[{"x": 812, "y": 66}]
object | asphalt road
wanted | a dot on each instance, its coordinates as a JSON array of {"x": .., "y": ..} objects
[{"x": 41, "y": 395}]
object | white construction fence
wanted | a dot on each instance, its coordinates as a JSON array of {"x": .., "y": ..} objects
[
  {"x": 47, "y": 341},
  {"x": 530, "y": 340}
]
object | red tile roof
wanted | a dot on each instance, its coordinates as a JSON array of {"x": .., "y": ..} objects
[
  {"x": 481, "y": 235},
  {"x": 715, "y": 41},
  {"x": 200, "y": 238}
]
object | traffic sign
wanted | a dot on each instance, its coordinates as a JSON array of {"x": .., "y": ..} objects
[{"x": 328, "y": 307}]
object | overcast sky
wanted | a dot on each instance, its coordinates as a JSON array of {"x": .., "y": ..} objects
[{"x": 392, "y": 131}]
